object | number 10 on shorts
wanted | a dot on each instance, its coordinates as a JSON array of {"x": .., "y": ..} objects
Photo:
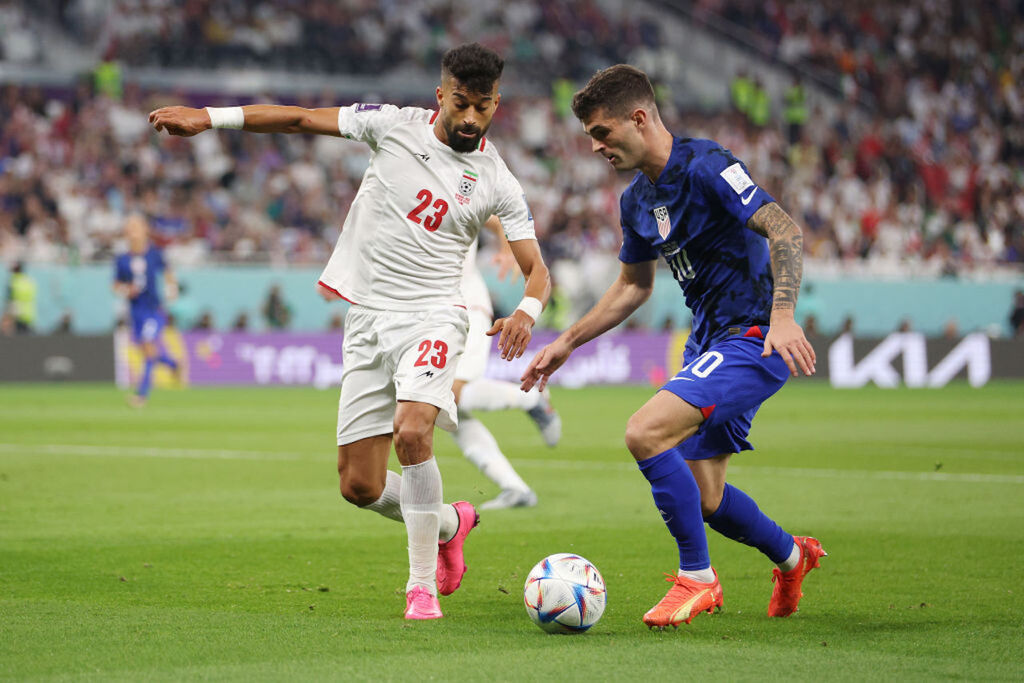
[
  {"x": 438, "y": 360},
  {"x": 704, "y": 364}
]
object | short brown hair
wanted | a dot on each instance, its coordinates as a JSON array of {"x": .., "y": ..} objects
[{"x": 617, "y": 90}]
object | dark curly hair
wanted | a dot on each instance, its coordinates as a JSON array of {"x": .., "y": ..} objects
[
  {"x": 617, "y": 91},
  {"x": 474, "y": 66}
]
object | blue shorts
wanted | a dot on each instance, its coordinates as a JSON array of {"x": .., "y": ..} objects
[
  {"x": 147, "y": 328},
  {"x": 728, "y": 383}
]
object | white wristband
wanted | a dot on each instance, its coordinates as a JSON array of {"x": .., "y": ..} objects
[
  {"x": 531, "y": 307},
  {"x": 226, "y": 117}
]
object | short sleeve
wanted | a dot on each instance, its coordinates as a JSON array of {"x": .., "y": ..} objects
[
  {"x": 727, "y": 182},
  {"x": 121, "y": 271},
  {"x": 635, "y": 249},
  {"x": 370, "y": 122},
  {"x": 513, "y": 211}
]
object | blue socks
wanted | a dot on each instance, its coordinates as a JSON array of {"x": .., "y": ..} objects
[
  {"x": 147, "y": 378},
  {"x": 739, "y": 518},
  {"x": 678, "y": 499},
  {"x": 146, "y": 383}
]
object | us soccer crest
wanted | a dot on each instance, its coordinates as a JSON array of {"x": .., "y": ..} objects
[
  {"x": 466, "y": 186},
  {"x": 664, "y": 224}
]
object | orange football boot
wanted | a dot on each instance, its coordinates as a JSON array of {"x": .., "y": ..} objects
[
  {"x": 786, "y": 594},
  {"x": 685, "y": 600}
]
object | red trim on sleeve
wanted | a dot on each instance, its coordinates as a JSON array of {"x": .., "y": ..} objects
[
  {"x": 754, "y": 331},
  {"x": 340, "y": 295},
  {"x": 707, "y": 410},
  {"x": 433, "y": 117}
]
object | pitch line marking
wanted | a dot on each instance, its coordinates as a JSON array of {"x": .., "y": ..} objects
[
  {"x": 546, "y": 463},
  {"x": 145, "y": 452}
]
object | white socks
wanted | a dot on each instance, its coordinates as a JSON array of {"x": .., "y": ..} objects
[
  {"x": 707, "y": 575},
  {"x": 389, "y": 505},
  {"x": 421, "y": 509},
  {"x": 700, "y": 575},
  {"x": 792, "y": 561},
  {"x": 478, "y": 445},
  {"x": 491, "y": 394}
]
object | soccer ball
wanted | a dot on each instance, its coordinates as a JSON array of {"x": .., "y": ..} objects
[{"x": 564, "y": 593}]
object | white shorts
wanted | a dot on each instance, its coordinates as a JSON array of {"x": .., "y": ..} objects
[
  {"x": 473, "y": 363},
  {"x": 391, "y": 356}
]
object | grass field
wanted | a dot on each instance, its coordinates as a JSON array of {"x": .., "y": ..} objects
[{"x": 203, "y": 538}]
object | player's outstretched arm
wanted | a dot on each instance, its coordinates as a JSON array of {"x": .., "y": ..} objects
[
  {"x": 629, "y": 291},
  {"x": 517, "y": 329},
  {"x": 786, "y": 245},
  {"x": 255, "y": 118}
]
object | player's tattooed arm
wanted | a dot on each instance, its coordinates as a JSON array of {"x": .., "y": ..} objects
[{"x": 786, "y": 242}]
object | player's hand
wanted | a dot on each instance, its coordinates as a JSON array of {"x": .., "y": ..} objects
[
  {"x": 508, "y": 267},
  {"x": 787, "y": 337},
  {"x": 515, "y": 331},
  {"x": 544, "y": 364},
  {"x": 183, "y": 121}
]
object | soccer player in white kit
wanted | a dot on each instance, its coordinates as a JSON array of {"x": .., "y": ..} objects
[
  {"x": 432, "y": 182},
  {"x": 476, "y": 392}
]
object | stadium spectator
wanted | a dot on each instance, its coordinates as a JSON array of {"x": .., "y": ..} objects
[
  {"x": 276, "y": 310},
  {"x": 1017, "y": 314},
  {"x": 22, "y": 295},
  {"x": 241, "y": 323},
  {"x": 927, "y": 182}
]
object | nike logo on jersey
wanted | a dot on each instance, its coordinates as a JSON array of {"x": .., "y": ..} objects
[
  {"x": 424, "y": 157},
  {"x": 740, "y": 182}
]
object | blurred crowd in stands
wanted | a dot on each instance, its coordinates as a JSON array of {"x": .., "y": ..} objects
[{"x": 929, "y": 181}]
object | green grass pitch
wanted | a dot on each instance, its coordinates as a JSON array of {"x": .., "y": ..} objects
[{"x": 203, "y": 538}]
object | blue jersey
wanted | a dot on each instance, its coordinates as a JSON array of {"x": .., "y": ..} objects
[
  {"x": 144, "y": 271},
  {"x": 695, "y": 216}
]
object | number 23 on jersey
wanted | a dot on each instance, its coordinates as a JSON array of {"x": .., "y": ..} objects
[{"x": 430, "y": 221}]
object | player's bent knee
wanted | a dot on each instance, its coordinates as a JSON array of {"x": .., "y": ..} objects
[
  {"x": 410, "y": 438},
  {"x": 359, "y": 492},
  {"x": 639, "y": 437}
]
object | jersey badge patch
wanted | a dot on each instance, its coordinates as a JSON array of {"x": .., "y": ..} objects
[
  {"x": 360, "y": 108},
  {"x": 466, "y": 186},
  {"x": 737, "y": 178},
  {"x": 664, "y": 224}
]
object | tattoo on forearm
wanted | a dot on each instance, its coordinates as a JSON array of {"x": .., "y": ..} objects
[{"x": 786, "y": 243}]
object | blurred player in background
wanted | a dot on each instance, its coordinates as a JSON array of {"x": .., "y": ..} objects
[
  {"x": 693, "y": 202},
  {"x": 432, "y": 182},
  {"x": 474, "y": 392},
  {"x": 136, "y": 277}
]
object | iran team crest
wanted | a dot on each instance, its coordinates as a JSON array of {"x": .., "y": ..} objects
[
  {"x": 466, "y": 186},
  {"x": 664, "y": 224}
]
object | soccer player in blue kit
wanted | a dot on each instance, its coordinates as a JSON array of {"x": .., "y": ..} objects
[
  {"x": 693, "y": 203},
  {"x": 136, "y": 276}
]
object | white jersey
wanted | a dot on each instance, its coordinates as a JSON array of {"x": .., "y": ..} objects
[
  {"x": 419, "y": 208},
  {"x": 475, "y": 294}
]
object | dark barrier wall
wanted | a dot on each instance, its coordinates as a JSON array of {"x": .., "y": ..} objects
[
  {"x": 903, "y": 359},
  {"x": 60, "y": 358},
  {"x": 907, "y": 359}
]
